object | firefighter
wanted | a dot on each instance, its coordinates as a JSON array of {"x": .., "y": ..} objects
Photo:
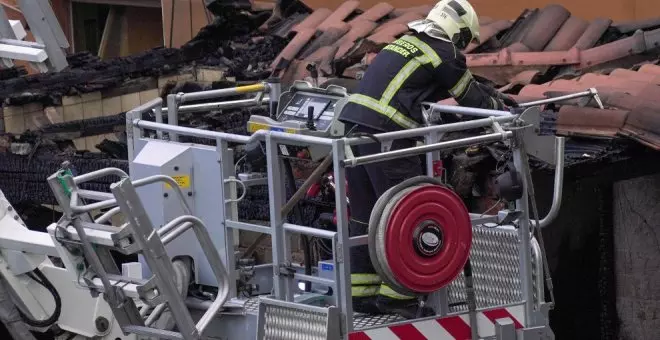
[{"x": 426, "y": 65}]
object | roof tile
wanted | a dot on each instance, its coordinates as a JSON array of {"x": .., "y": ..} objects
[
  {"x": 568, "y": 34},
  {"x": 376, "y": 12},
  {"x": 400, "y": 20},
  {"x": 360, "y": 29},
  {"x": 291, "y": 50},
  {"x": 388, "y": 34},
  {"x": 313, "y": 20},
  {"x": 592, "y": 33},
  {"x": 340, "y": 14},
  {"x": 423, "y": 10},
  {"x": 330, "y": 35},
  {"x": 586, "y": 121},
  {"x": 546, "y": 25}
]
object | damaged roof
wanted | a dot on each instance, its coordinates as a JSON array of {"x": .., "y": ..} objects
[
  {"x": 544, "y": 52},
  {"x": 538, "y": 39}
]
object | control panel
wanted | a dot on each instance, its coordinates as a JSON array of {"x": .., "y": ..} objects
[{"x": 306, "y": 110}]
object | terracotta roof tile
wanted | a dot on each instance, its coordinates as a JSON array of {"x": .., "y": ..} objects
[
  {"x": 544, "y": 28},
  {"x": 592, "y": 33},
  {"x": 650, "y": 69},
  {"x": 313, "y": 20},
  {"x": 631, "y": 26},
  {"x": 586, "y": 121},
  {"x": 568, "y": 34},
  {"x": 376, "y": 12},
  {"x": 291, "y": 50},
  {"x": 359, "y": 29},
  {"x": 330, "y": 36},
  {"x": 423, "y": 10},
  {"x": 388, "y": 34},
  {"x": 400, "y": 20},
  {"x": 488, "y": 31},
  {"x": 340, "y": 14},
  {"x": 637, "y": 76}
]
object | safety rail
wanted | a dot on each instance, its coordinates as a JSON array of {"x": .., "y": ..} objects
[
  {"x": 272, "y": 87},
  {"x": 342, "y": 242},
  {"x": 159, "y": 291}
]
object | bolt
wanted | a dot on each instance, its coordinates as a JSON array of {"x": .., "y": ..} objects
[
  {"x": 165, "y": 195},
  {"x": 9, "y": 208},
  {"x": 176, "y": 168},
  {"x": 189, "y": 193},
  {"x": 102, "y": 324}
]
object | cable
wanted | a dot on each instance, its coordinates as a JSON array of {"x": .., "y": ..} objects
[
  {"x": 236, "y": 180},
  {"x": 43, "y": 280}
]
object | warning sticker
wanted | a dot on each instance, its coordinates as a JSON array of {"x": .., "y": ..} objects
[{"x": 182, "y": 180}]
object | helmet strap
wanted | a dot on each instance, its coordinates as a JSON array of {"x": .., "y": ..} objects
[{"x": 463, "y": 38}]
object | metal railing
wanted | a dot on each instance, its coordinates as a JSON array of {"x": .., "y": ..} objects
[{"x": 278, "y": 229}]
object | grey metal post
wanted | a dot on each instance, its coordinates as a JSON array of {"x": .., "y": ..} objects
[
  {"x": 173, "y": 115},
  {"x": 275, "y": 90},
  {"x": 6, "y": 31},
  {"x": 132, "y": 133},
  {"x": 343, "y": 244},
  {"x": 438, "y": 299},
  {"x": 226, "y": 159},
  {"x": 275, "y": 196},
  {"x": 158, "y": 114},
  {"x": 524, "y": 233}
]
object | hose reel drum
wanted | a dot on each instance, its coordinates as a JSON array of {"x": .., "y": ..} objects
[{"x": 420, "y": 236}]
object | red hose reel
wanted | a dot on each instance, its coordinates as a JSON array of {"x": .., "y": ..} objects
[{"x": 420, "y": 236}]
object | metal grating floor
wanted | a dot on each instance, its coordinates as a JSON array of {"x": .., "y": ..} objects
[{"x": 360, "y": 321}]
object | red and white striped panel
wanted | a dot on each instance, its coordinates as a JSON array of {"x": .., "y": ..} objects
[{"x": 447, "y": 328}]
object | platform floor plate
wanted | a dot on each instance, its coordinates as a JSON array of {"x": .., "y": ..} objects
[{"x": 360, "y": 321}]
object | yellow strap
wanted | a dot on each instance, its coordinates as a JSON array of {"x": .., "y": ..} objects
[
  {"x": 386, "y": 291},
  {"x": 385, "y": 110},
  {"x": 365, "y": 279},
  {"x": 364, "y": 291}
]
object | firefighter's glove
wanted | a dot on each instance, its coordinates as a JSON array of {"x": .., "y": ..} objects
[{"x": 508, "y": 101}]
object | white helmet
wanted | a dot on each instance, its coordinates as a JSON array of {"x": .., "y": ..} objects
[{"x": 450, "y": 20}]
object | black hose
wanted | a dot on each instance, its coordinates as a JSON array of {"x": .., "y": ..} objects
[
  {"x": 307, "y": 249},
  {"x": 43, "y": 280}
]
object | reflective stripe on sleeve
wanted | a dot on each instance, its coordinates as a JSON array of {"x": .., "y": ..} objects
[
  {"x": 385, "y": 110},
  {"x": 386, "y": 291},
  {"x": 365, "y": 279}
]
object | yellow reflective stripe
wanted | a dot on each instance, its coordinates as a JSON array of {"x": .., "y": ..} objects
[
  {"x": 428, "y": 51},
  {"x": 461, "y": 84},
  {"x": 386, "y": 110},
  {"x": 365, "y": 279},
  {"x": 396, "y": 83},
  {"x": 386, "y": 291},
  {"x": 362, "y": 291}
]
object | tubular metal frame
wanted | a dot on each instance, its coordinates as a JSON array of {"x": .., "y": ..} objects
[{"x": 283, "y": 283}]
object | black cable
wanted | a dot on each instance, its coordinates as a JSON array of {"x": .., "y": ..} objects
[
  {"x": 43, "y": 280},
  {"x": 307, "y": 251}
]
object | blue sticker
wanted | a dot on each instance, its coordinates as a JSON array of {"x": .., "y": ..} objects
[
  {"x": 327, "y": 267},
  {"x": 277, "y": 129}
]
